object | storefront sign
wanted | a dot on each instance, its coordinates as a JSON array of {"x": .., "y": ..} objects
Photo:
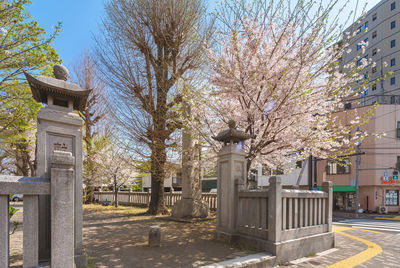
[{"x": 389, "y": 180}]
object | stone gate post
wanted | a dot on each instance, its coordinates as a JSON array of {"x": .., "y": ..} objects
[
  {"x": 62, "y": 209},
  {"x": 231, "y": 169},
  {"x": 274, "y": 209},
  {"x": 327, "y": 187},
  {"x": 59, "y": 129}
]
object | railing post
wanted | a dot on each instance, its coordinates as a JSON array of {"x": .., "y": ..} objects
[
  {"x": 236, "y": 204},
  {"x": 327, "y": 187},
  {"x": 4, "y": 229},
  {"x": 274, "y": 209},
  {"x": 62, "y": 210},
  {"x": 31, "y": 231}
]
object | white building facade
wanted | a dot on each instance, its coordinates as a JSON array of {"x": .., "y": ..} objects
[{"x": 380, "y": 29}]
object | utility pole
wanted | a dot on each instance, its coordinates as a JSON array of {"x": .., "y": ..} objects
[
  {"x": 315, "y": 172},
  {"x": 310, "y": 181},
  {"x": 358, "y": 160}
]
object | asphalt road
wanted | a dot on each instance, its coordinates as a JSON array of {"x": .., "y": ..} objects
[{"x": 385, "y": 226}]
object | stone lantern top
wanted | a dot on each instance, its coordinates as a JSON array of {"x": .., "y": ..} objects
[
  {"x": 232, "y": 135},
  {"x": 58, "y": 88}
]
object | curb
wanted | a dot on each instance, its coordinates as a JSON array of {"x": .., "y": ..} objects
[{"x": 259, "y": 260}]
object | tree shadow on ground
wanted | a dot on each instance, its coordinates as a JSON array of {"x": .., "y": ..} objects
[{"x": 122, "y": 242}]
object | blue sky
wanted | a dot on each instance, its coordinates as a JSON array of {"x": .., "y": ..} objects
[{"x": 80, "y": 21}]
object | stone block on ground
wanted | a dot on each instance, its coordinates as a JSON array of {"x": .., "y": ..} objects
[
  {"x": 190, "y": 208},
  {"x": 155, "y": 236}
]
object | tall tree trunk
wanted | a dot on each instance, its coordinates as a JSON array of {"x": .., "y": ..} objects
[
  {"x": 158, "y": 160},
  {"x": 115, "y": 192},
  {"x": 23, "y": 159}
]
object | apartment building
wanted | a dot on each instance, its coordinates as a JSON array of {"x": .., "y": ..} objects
[
  {"x": 377, "y": 185},
  {"x": 380, "y": 29}
]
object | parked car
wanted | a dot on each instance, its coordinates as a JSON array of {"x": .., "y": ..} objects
[{"x": 17, "y": 197}]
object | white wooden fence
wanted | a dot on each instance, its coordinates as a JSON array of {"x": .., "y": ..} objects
[{"x": 141, "y": 198}]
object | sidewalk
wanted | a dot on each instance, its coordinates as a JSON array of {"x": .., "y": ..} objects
[
  {"x": 355, "y": 248},
  {"x": 341, "y": 215},
  {"x": 345, "y": 248}
]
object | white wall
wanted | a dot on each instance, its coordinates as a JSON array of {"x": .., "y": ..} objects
[
  {"x": 146, "y": 182},
  {"x": 287, "y": 179}
]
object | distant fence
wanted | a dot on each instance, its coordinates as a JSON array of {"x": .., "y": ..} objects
[{"x": 140, "y": 198}]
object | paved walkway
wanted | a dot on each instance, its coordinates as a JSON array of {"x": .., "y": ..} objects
[{"x": 356, "y": 248}]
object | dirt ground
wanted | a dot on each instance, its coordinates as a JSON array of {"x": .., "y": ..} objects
[{"x": 117, "y": 237}]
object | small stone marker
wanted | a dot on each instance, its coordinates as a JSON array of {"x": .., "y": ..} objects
[{"x": 155, "y": 236}]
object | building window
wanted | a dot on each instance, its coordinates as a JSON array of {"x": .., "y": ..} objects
[
  {"x": 373, "y": 70},
  {"x": 393, "y": 43},
  {"x": 374, "y": 34},
  {"x": 393, "y": 62},
  {"x": 359, "y": 46},
  {"x": 392, "y": 198},
  {"x": 374, "y": 17},
  {"x": 393, "y": 101},
  {"x": 393, "y": 80},
  {"x": 338, "y": 167},
  {"x": 373, "y": 86},
  {"x": 299, "y": 164},
  {"x": 360, "y": 62},
  {"x": 347, "y": 106},
  {"x": 393, "y": 6},
  {"x": 398, "y": 128},
  {"x": 362, "y": 27},
  {"x": 374, "y": 51},
  {"x": 393, "y": 24}
]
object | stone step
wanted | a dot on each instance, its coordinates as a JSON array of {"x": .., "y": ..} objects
[{"x": 259, "y": 260}]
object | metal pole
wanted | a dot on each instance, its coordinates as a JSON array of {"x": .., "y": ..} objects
[
  {"x": 310, "y": 172},
  {"x": 358, "y": 160},
  {"x": 315, "y": 172}
]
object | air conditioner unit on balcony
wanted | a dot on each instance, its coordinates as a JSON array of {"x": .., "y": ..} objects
[{"x": 383, "y": 210}]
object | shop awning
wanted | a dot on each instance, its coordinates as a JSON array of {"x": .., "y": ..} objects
[{"x": 342, "y": 188}]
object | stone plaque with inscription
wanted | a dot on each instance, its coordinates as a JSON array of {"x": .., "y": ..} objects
[{"x": 57, "y": 142}]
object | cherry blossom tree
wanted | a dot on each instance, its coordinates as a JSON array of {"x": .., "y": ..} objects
[
  {"x": 276, "y": 73},
  {"x": 115, "y": 167}
]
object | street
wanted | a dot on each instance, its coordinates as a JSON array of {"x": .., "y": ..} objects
[{"x": 386, "y": 226}]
